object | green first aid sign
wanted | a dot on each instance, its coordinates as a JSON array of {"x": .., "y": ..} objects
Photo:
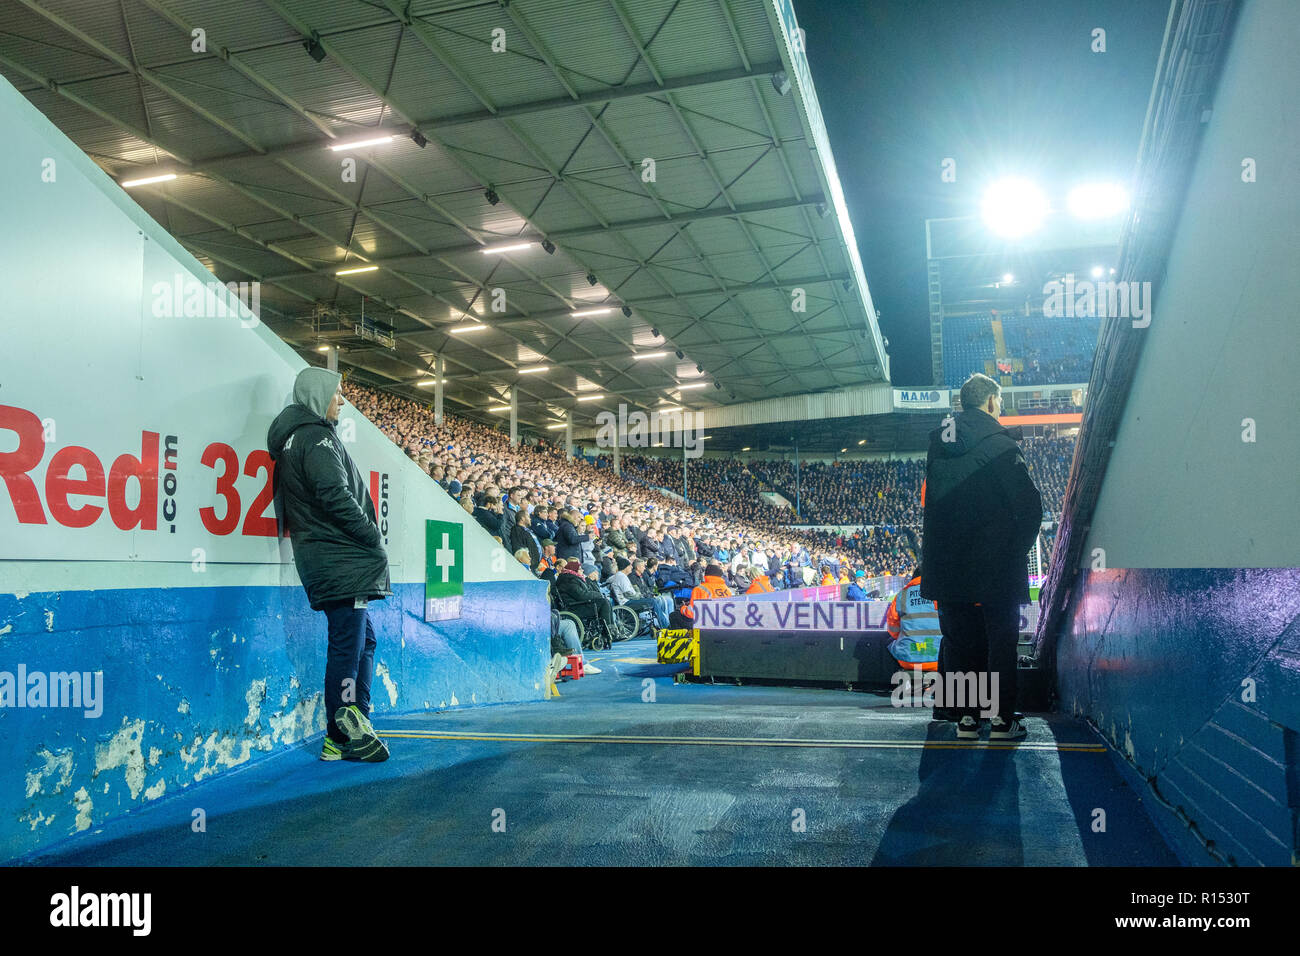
[{"x": 444, "y": 569}]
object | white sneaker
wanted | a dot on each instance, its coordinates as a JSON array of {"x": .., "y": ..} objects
[
  {"x": 557, "y": 665},
  {"x": 1001, "y": 730},
  {"x": 590, "y": 668}
]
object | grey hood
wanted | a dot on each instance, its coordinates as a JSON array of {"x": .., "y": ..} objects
[{"x": 314, "y": 388}]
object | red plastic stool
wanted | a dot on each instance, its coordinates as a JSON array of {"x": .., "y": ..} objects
[{"x": 573, "y": 669}]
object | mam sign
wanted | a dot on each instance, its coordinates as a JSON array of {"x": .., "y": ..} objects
[{"x": 136, "y": 494}]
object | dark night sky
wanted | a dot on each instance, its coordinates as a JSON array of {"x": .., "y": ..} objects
[{"x": 1002, "y": 86}]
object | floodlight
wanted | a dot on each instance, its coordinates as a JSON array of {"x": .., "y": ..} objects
[{"x": 1013, "y": 207}]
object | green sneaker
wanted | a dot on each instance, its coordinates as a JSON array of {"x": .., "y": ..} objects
[
  {"x": 353, "y": 722},
  {"x": 363, "y": 743},
  {"x": 329, "y": 750},
  {"x": 367, "y": 750}
]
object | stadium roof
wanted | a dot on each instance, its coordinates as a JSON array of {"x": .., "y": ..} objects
[{"x": 742, "y": 209}]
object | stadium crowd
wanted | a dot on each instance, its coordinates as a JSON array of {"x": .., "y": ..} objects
[{"x": 555, "y": 510}]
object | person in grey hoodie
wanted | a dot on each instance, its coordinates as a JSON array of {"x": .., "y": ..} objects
[{"x": 323, "y": 504}]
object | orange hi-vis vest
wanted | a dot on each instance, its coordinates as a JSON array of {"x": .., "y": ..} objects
[
  {"x": 760, "y": 586},
  {"x": 916, "y": 634},
  {"x": 828, "y": 578},
  {"x": 713, "y": 587}
]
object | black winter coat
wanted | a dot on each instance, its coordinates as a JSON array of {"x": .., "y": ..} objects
[
  {"x": 521, "y": 538},
  {"x": 982, "y": 513},
  {"x": 568, "y": 541},
  {"x": 489, "y": 521},
  {"x": 577, "y": 590},
  {"x": 325, "y": 505}
]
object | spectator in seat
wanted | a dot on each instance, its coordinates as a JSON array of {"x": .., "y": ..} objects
[
  {"x": 547, "y": 567},
  {"x": 624, "y": 591},
  {"x": 488, "y": 515},
  {"x": 649, "y": 575},
  {"x": 521, "y": 536},
  {"x": 569, "y": 543},
  {"x": 580, "y": 594},
  {"x": 759, "y": 583}
]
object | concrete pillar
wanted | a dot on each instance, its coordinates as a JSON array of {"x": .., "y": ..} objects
[
  {"x": 514, "y": 418},
  {"x": 617, "y": 458},
  {"x": 332, "y": 358},
  {"x": 568, "y": 434}
]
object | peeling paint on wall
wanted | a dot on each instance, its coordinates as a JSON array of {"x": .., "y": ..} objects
[
  {"x": 197, "y": 718},
  {"x": 256, "y": 694},
  {"x": 84, "y": 808},
  {"x": 60, "y": 763},
  {"x": 381, "y": 671},
  {"x": 123, "y": 750},
  {"x": 306, "y": 718}
]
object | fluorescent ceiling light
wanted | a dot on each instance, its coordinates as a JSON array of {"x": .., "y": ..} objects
[
  {"x": 352, "y": 272},
  {"x": 322, "y": 348},
  {"x": 589, "y": 398},
  {"x": 746, "y": 448},
  {"x": 499, "y": 408},
  {"x": 338, "y": 147},
  {"x": 693, "y": 385},
  {"x": 587, "y": 312},
  {"x": 514, "y": 247},
  {"x": 535, "y": 368},
  {"x": 551, "y": 428},
  {"x": 165, "y": 177},
  {"x": 862, "y": 442},
  {"x": 467, "y": 328},
  {"x": 649, "y": 355},
  {"x": 425, "y": 382}
]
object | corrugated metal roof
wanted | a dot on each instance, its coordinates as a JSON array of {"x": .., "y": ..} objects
[{"x": 704, "y": 253}]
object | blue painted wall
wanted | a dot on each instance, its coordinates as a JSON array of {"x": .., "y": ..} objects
[
  {"x": 1194, "y": 675},
  {"x": 197, "y": 680}
]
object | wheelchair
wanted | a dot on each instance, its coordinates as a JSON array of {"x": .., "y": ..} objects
[{"x": 593, "y": 633}]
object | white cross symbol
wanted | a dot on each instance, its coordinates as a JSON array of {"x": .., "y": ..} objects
[{"x": 445, "y": 557}]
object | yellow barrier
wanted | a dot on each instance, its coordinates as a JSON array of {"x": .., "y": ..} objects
[{"x": 678, "y": 646}]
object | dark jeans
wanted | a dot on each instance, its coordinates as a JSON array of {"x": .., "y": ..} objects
[
  {"x": 980, "y": 639},
  {"x": 351, "y": 656},
  {"x": 641, "y": 604}
]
